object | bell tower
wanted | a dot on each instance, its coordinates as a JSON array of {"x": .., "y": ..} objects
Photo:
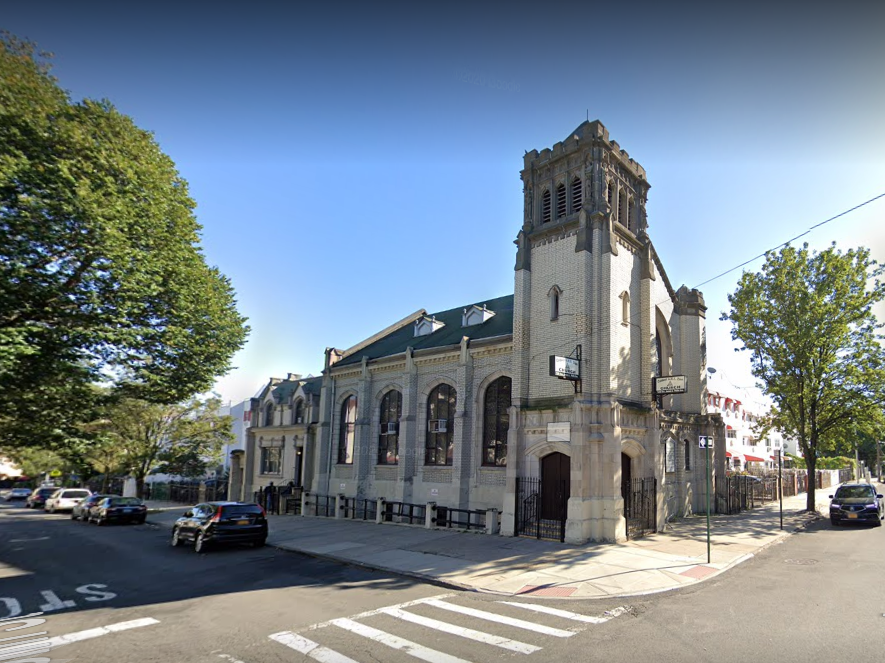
[{"x": 587, "y": 277}]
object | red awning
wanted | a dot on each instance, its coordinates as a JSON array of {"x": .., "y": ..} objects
[
  {"x": 754, "y": 459},
  {"x": 729, "y": 428},
  {"x": 728, "y": 454}
]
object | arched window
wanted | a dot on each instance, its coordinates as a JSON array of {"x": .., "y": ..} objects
[
  {"x": 561, "y": 202},
  {"x": 625, "y": 308},
  {"x": 553, "y": 295},
  {"x": 268, "y": 414},
  {"x": 298, "y": 412},
  {"x": 622, "y": 208},
  {"x": 576, "y": 194},
  {"x": 496, "y": 422},
  {"x": 545, "y": 207},
  {"x": 347, "y": 430},
  {"x": 439, "y": 448},
  {"x": 687, "y": 455},
  {"x": 631, "y": 224},
  {"x": 388, "y": 440}
]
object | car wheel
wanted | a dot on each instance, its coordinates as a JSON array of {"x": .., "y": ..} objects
[
  {"x": 140, "y": 521},
  {"x": 200, "y": 543},
  {"x": 176, "y": 538},
  {"x": 834, "y": 522},
  {"x": 260, "y": 543},
  {"x": 52, "y": 509},
  {"x": 74, "y": 516},
  {"x": 878, "y": 522}
]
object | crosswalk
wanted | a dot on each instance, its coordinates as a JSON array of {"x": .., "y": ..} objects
[{"x": 434, "y": 615}]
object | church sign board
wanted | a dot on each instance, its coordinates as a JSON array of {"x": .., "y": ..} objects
[
  {"x": 565, "y": 368},
  {"x": 559, "y": 432},
  {"x": 670, "y": 384}
]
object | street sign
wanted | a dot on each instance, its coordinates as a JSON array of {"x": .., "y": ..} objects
[
  {"x": 565, "y": 368},
  {"x": 705, "y": 441},
  {"x": 670, "y": 384},
  {"x": 55, "y": 473}
]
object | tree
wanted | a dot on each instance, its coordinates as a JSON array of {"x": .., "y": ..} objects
[
  {"x": 806, "y": 319},
  {"x": 150, "y": 436},
  {"x": 102, "y": 279}
]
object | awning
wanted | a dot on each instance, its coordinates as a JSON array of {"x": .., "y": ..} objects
[
  {"x": 728, "y": 454},
  {"x": 729, "y": 428},
  {"x": 754, "y": 459}
]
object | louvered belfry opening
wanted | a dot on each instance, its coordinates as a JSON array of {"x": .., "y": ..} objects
[
  {"x": 560, "y": 201},
  {"x": 545, "y": 207},
  {"x": 576, "y": 195}
]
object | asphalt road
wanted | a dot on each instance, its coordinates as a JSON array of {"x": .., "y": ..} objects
[{"x": 816, "y": 597}]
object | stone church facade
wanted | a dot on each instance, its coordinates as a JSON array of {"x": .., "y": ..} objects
[{"x": 460, "y": 408}]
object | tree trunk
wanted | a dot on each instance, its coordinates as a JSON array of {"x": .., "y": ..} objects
[
  {"x": 811, "y": 464},
  {"x": 139, "y": 487}
]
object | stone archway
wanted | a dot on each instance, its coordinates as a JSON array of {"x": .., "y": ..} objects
[{"x": 555, "y": 485}]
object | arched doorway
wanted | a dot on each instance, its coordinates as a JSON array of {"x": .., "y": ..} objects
[
  {"x": 555, "y": 485},
  {"x": 626, "y": 478}
]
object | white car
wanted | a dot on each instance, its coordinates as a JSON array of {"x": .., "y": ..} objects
[
  {"x": 18, "y": 494},
  {"x": 64, "y": 499}
]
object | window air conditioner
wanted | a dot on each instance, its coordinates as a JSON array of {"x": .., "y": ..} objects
[
  {"x": 391, "y": 428},
  {"x": 438, "y": 426}
]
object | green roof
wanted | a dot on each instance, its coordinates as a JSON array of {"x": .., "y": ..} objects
[
  {"x": 500, "y": 324},
  {"x": 284, "y": 390}
]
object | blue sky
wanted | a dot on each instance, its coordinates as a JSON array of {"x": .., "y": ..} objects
[{"x": 355, "y": 163}]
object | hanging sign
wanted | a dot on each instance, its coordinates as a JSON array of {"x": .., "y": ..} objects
[{"x": 565, "y": 368}]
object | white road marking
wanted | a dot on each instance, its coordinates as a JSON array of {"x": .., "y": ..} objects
[
  {"x": 230, "y": 658},
  {"x": 479, "y": 636},
  {"x": 309, "y": 648},
  {"x": 101, "y": 630},
  {"x": 39, "y": 538},
  {"x": 501, "y": 619},
  {"x": 378, "y": 611},
  {"x": 574, "y": 616},
  {"x": 407, "y": 646}
]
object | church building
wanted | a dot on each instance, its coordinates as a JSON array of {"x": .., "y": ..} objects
[{"x": 540, "y": 404}]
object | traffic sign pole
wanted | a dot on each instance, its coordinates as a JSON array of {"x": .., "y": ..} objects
[{"x": 708, "y": 499}]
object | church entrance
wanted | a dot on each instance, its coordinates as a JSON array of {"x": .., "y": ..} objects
[
  {"x": 542, "y": 503},
  {"x": 640, "y": 500}
]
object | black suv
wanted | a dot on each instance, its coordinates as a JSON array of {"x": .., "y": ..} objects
[
  {"x": 856, "y": 502},
  {"x": 221, "y": 522}
]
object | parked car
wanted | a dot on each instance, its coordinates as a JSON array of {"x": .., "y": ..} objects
[
  {"x": 81, "y": 509},
  {"x": 221, "y": 522},
  {"x": 857, "y": 502},
  {"x": 39, "y": 496},
  {"x": 117, "y": 510},
  {"x": 18, "y": 494},
  {"x": 64, "y": 499}
]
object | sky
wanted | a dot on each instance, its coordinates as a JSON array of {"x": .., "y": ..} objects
[{"x": 356, "y": 162}]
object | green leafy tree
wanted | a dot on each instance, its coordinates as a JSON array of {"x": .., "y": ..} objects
[
  {"x": 102, "y": 279},
  {"x": 152, "y": 436},
  {"x": 806, "y": 320}
]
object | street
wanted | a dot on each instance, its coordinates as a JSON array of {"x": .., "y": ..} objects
[{"x": 121, "y": 593}]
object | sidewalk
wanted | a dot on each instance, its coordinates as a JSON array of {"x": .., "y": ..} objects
[{"x": 512, "y": 566}]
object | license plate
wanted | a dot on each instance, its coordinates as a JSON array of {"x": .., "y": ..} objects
[
  {"x": 127, "y": 510},
  {"x": 242, "y": 522},
  {"x": 852, "y": 515}
]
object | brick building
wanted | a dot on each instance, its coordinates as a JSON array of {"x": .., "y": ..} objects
[{"x": 462, "y": 407}]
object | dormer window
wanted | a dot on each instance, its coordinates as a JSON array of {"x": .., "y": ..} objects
[
  {"x": 427, "y": 324},
  {"x": 476, "y": 315}
]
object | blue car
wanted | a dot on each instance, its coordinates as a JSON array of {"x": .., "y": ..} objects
[{"x": 857, "y": 502}]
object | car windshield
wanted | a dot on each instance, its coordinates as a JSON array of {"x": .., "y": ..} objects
[
  {"x": 850, "y": 492},
  {"x": 47, "y": 491}
]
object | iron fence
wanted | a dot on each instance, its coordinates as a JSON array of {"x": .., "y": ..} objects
[
  {"x": 641, "y": 507},
  {"x": 325, "y": 505},
  {"x": 459, "y": 518},
  {"x": 359, "y": 509},
  {"x": 541, "y": 509},
  {"x": 404, "y": 512}
]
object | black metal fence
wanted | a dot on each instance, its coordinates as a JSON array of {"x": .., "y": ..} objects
[
  {"x": 403, "y": 512},
  {"x": 325, "y": 505},
  {"x": 541, "y": 509},
  {"x": 359, "y": 509},
  {"x": 279, "y": 500},
  {"x": 186, "y": 492},
  {"x": 641, "y": 507},
  {"x": 459, "y": 518}
]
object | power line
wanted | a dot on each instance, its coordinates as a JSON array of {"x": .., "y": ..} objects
[{"x": 762, "y": 255}]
